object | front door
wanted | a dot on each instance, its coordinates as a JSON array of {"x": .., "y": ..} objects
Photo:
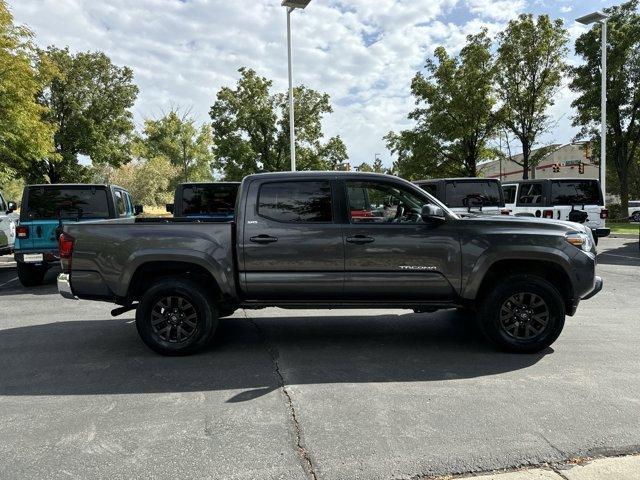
[
  {"x": 391, "y": 254},
  {"x": 292, "y": 246}
]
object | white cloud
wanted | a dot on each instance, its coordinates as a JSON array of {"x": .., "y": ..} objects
[{"x": 362, "y": 52}]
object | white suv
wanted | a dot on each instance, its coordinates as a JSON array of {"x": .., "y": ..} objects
[
  {"x": 570, "y": 199},
  {"x": 8, "y": 221}
]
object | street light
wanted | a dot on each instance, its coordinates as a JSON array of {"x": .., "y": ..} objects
[
  {"x": 601, "y": 18},
  {"x": 291, "y": 6}
]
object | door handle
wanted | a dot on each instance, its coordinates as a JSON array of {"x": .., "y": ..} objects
[
  {"x": 263, "y": 239},
  {"x": 360, "y": 239}
]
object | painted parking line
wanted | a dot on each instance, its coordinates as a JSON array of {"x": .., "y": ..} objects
[{"x": 620, "y": 256}]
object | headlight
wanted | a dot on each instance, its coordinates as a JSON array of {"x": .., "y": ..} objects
[{"x": 580, "y": 240}]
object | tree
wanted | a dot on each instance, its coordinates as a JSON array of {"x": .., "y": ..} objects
[
  {"x": 251, "y": 129},
  {"x": 88, "y": 100},
  {"x": 377, "y": 166},
  {"x": 176, "y": 137},
  {"x": 456, "y": 115},
  {"x": 623, "y": 91},
  {"x": 150, "y": 181},
  {"x": 530, "y": 67},
  {"x": 24, "y": 137}
]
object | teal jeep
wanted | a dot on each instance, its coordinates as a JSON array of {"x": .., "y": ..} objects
[{"x": 46, "y": 208}]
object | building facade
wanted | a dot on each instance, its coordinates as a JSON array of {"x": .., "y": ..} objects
[{"x": 571, "y": 160}]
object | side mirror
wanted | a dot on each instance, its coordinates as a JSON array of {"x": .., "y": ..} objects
[
  {"x": 432, "y": 212},
  {"x": 11, "y": 207},
  {"x": 138, "y": 209},
  {"x": 169, "y": 207}
]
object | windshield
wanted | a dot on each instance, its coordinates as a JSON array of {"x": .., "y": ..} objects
[
  {"x": 574, "y": 192},
  {"x": 480, "y": 193},
  {"x": 67, "y": 202},
  {"x": 209, "y": 200}
]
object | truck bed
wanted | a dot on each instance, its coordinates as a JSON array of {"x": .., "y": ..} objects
[{"x": 108, "y": 253}]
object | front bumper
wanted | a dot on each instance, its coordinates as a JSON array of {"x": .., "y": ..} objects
[
  {"x": 596, "y": 288},
  {"x": 64, "y": 286}
]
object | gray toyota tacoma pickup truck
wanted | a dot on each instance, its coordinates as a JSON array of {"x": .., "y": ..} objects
[{"x": 332, "y": 240}]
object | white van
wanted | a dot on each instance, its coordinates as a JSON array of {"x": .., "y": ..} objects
[
  {"x": 467, "y": 196},
  {"x": 8, "y": 221},
  {"x": 634, "y": 210},
  {"x": 571, "y": 199}
]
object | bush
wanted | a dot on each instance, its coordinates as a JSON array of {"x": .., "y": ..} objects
[{"x": 616, "y": 213}]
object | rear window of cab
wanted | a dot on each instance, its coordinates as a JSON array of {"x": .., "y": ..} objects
[
  {"x": 46, "y": 203},
  {"x": 575, "y": 192}
]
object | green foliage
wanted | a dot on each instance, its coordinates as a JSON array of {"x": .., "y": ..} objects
[
  {"x": 530, "y": 66},
  {"x": 251, "y": 129},
  {"x": 24, "y": 137},
  {"x": 88, "y": 100},
  {"x": 377, "y": 167},
  {"x": 150, "y": 182},
  {"x": 623, "y": 94},
  {"x": 10, "y": 185},
  {"x": 176, "y": 137},
  {"x": 455, "y": 116}
]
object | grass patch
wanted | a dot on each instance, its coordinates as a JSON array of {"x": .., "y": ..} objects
[
  {"x": 623, "y": 227},
  {"x": 155, "y": 211}
]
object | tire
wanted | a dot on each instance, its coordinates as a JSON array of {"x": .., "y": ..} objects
[
  {"x": 519, "y": 306},
  {"x": 176, "y": 316},
  {"x": 31, "y": 275}
]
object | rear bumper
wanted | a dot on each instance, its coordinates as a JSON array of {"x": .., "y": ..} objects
[
  {"x": 596, "y": 288},
  {"x": 64, "y": 286},
  {"x": 601, "y": 232}
]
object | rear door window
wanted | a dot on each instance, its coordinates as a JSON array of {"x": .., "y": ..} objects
[
  {"x": 575, "y": 192},
  {"x": 484, "y": 193},
  {"x": 209, "y": 200},
  {"x": 296, "y": 202},
  {"x": 66, "y": 202},
  {"x": 121, "y": 205},
  {"x": 531, "y": 194},
  {"x": 509, "y": 192},
  {"x": 430, "y": 188}
]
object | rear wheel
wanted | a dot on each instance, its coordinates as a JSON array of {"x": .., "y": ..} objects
[
  {"x": 31, "y": 275},
  {"x": 523, "y": 314},
  {"x": 176, "y": 317}
]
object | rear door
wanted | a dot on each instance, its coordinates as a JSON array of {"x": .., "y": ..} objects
[
  {"x": 291, "y": 242},
  {"x": 577, "y": 194},
  {"x": 391, "y": 254},
  {"x": 531, "y": 199},
  {"x": 510, "y": 191}
]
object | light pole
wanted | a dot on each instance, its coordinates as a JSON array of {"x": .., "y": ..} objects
[
  {"x": 601, "y": 18},
  {"x": 291, "y": 5}
]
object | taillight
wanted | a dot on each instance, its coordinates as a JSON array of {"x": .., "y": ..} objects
[
  {"x": 22, "y": 232},
  {"x": 604, "y": 213},
  {"x": 65, "y": 244},
  {"x": 547, "y": 214}
]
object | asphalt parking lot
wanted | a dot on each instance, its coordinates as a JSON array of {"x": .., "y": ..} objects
[{"x": 372, "y": 394}]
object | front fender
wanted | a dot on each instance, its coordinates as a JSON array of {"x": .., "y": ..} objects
[{"x": 472, "y": 280}]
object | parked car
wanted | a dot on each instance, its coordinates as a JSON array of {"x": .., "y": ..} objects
[
  {"x": 571, "y": 199},
  {"x": 7, "y": 225},
  {"x": 479, "y": 196},
  {"x": 46, "y": 208},
  {"x": 634, "y": 210},
  {"x": 205, "y": 200},
  {"x": 298, "y": 240}
]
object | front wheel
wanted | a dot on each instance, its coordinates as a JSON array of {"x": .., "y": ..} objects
[
  {"x": 31, "y": 275},
  {"x": 523, "y": 314},
  {"x": 176, "y": 317}
]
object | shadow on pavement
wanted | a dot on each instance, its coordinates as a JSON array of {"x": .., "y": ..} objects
[
  {"x": 106, "y": 357},
  {"x": 628, "y": 254},
  {"x": 10, "y": 285}
]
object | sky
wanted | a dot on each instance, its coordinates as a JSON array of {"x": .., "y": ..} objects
[{"x": 364, "y": 53}]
